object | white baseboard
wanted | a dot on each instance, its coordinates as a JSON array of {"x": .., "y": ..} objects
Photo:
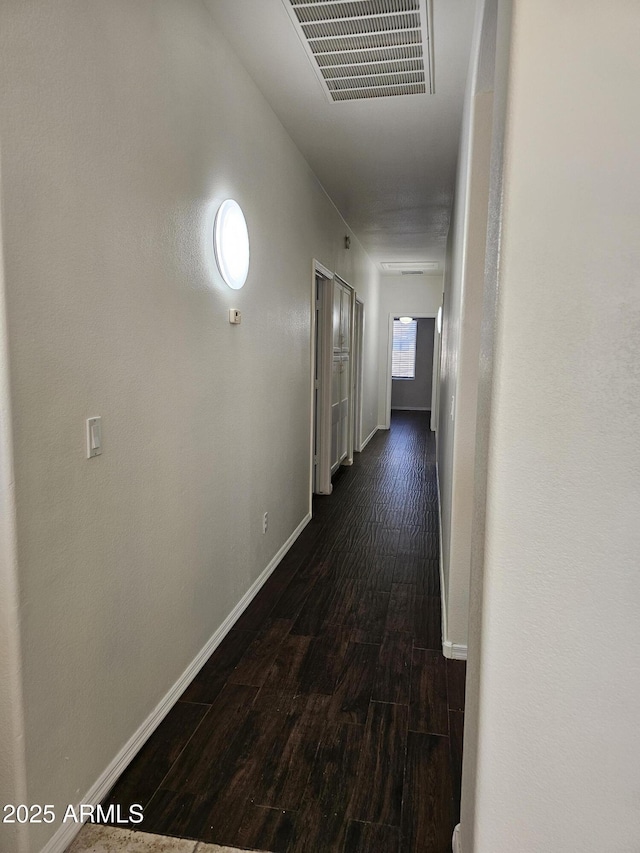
[
  {"x": 67, "y": 832},
  {"x": 449, "y": 649},
  {"x": 368, "y": 438},
  {"x": 455, "y": 651}
]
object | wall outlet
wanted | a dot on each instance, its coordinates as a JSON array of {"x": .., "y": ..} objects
[{"x": 265, "y": 522}]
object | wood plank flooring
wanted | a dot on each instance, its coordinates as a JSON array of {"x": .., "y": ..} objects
[{"x": 328, "y": 719}]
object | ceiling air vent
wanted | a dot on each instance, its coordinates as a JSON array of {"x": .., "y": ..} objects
[{"x": 367, "y": 48}]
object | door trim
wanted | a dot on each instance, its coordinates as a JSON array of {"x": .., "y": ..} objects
[
  {"x": 348, "y": 459},
  {"x": 320, "y": 433},
  {"x": 358, "y": 372}
]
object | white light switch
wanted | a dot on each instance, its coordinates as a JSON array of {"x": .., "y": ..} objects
[
  {"x": 94, "y": 437},
  {"x": 235, "y": 316}
]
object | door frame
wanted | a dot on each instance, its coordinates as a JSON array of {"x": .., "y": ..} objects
[
  {"x": 358, "y": 372},
  {"x": 321, "y": 350},
  {"x": 435, "y": 387},
  {"x": 348, "y": 460},
  {"x": 388, "y": 380},
  {"x": 321, "y": 356}
]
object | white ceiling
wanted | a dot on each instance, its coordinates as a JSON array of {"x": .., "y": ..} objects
[{"x": 387, "y": 163}]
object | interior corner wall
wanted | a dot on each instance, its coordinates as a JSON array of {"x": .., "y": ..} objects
[
  {"x": 401, "y": 295},
  {"x": 553, "y": 727},
  {"x": 12, "y": 756},
  {"x": 462, "y": 315},
  {"x": 124, "y": 126}
]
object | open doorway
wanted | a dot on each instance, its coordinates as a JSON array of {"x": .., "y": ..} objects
[{"x": 414, "y": 363}]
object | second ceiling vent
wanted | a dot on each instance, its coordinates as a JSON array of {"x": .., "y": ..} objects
[{"x": 367, "y": 48}]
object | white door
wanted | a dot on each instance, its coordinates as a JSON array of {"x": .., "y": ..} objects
[
  {"x": 345, "y": 398},
  {"x": 323, "y": 391},
  {"x": 340, "y": 374},
  {"x": 356, "y": 369},
  {"x": 345, "y": 320},
  {"x": 336, "y": 412},
  {"x": 333, "y": 380}
]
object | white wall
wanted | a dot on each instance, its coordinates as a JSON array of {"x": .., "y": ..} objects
[
  {"x": 366, "y": 280},
  {"x": 12, "y": 756},
  {"x": 401, "y": 295},
  {"x": 124, "y": 124},
  {"x": 551, "y": 746},
  {"x": 462, "y": 314}
]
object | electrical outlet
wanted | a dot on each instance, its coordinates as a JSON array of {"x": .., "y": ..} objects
[{"x": 265, "y": 522}]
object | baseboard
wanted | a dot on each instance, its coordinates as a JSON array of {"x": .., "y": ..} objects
[
  {"x": 456, "y": 841},
  {"x": 368, "y": 438},
  {"x": 67, "y": 832},
  {"x": 410, "y": 408},
  {"x": 455, "y": 651}
]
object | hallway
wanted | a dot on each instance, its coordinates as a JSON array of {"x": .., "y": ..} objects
[{"x": 328, "y": 719}]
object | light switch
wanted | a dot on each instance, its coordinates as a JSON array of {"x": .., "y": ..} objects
[
  {"x": 235, "y": 316},
  {"x": 94, "y": 437}
]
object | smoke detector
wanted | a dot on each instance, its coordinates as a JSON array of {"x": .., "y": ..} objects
[{"x": 367, "y": 48}]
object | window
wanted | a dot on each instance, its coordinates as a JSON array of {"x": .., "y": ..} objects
[{"x": 403, "y": 358}]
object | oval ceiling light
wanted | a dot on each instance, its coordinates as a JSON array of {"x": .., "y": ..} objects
[
  {"x": 406, "y": 320},
  {"x": 231, "y": 243}
]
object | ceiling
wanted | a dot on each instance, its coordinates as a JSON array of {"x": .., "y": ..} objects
[{"x": 387, "y": 163}]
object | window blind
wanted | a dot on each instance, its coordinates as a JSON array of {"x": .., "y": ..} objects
[{"x": 403, "y": 356}]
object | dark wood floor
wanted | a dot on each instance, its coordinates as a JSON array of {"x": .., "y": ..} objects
[{"x": 328, "y": 719}]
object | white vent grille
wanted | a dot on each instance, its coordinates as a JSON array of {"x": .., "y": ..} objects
[
  {"x": 356, "y": 26},
  {"x": 367, "y": 48},
  {"x": 348, "y": 72},
  {"x": 360, "y": 7},
  {"x": 342, "y": 60}
]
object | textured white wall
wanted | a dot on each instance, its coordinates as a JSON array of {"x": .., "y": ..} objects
[
  {"x": 124, "y": 124},
  {"x": 366, "y": 281},
  {"x": 402, "y": 295},
  {"x": 462, "y": 315},
  {"x": 554, "y": 731},
  {"x": 12, "y": 754}
]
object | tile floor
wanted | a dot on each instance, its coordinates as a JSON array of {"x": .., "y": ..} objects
[
  {"x": 109, "y": 839},
  {"x": 328, "y": 720}
]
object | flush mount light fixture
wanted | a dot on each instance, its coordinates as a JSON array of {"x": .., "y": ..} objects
[
  {"x": 231, "y": 243},
  {"x": 409, "y": 267},
  {"x": 406, "y": 320}
]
